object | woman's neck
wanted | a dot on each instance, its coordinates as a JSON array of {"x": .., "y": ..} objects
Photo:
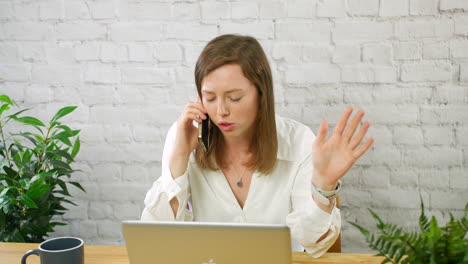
[
  {"x": 236, "y": 151},
  {"x": 234, "y": 145}
]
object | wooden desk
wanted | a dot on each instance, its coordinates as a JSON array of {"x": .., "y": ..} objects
[{"x": 11, "y": 253}]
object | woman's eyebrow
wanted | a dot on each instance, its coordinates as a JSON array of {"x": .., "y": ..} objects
[{"x": 230, "y": 91}]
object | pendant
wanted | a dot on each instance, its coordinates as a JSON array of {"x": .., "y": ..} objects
[{"x": 239, "y": 184}]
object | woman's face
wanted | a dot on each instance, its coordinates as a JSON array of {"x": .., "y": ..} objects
[{"x": 231, "y": 100}]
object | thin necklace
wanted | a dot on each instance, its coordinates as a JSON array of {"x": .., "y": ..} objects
[{"x": 239, "y": 182}]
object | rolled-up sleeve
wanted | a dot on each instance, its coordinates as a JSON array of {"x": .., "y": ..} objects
[
  {"x": 164, "y": 189},
  {"x": 307, "y": 221}
]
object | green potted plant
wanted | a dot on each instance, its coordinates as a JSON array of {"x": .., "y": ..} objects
[
  {"x": 35, "y": 173},
  {"x": 433, "y": 244}
]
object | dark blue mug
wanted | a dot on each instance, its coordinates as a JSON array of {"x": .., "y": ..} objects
[{"x": 59, "y": 250}]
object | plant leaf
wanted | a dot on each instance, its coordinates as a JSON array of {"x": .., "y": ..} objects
[
  {"x": 38, "y": 191},
  {"x": 60, "y": 164},
  {"x": 37, "y": 229},
  {"x": 63, "y": 139},
  {"x": 2, "y": 221},
  {"x": 64, "y": 187},
  {"x": 423, "y": 220},
  {"x": 10, "y": 172},
  {"x": 364, "y": 231},
  {"x": 2, "y": 176},
  {"x": 36, "y": 181},
  {"x": 27, "y": 155},
  {"x": 24, "y": 183},
  {"x": 28, "y": 135},
  {"x": 29, "y": 120},
  {"x": 61, "y": 127},
  {"x": 57, "y": 224},
  {"x": 17, "y": 113},
  {"x": 3, "y": 108},
  {"x": 376, "y": 217},
  {"x": 67, "y": 134},
  {"x": 4, "y": 191},
  {"x": 78, "y": 186},
  {"x": 63, "y": 112},
  {"x": 28, "y": 201},
  {"x": 61, "y": 208},
  {"x": 39, "y": 177},
  {"x": 16, "y": 236},
  {"x": 70, "y": 202},
  {"x": 76, "y": 147},
  {"x": 6, "y": 99},
  {"x": 60, "y": 153},
  {"x": 63, "y": 172}
]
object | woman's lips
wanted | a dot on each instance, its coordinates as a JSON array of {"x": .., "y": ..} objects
[{"x": 226, "y": 126}]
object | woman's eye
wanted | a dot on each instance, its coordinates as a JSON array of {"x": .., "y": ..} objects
[
  {"x": 209, "y": 99},
  {"x": 235, "y": 99}
]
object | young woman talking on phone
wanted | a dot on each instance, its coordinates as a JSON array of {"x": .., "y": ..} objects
[{"x": 257, "y": 167}]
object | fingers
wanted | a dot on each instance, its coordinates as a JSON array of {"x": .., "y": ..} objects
[
  {"x": 351, "y": 129},
  {"x": 195, "y": 115},
  {"x": 194, "y": 111},
  {"x": 322, "y": 132},
  {"x": 362, "y": 149},
  {"x": 195, "y": 105},
  {"x": 343, "y": 121},
  {"x": 356, "y": 140}
]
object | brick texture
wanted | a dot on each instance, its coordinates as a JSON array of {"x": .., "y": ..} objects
[{"x": 128, "y": 65}]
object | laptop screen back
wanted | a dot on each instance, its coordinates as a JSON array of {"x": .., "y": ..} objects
[{"x": 203, "y": 243}]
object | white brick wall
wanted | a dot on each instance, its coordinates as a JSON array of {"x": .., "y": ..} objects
[
  {"x": 331, "y": 9},
  {"x": 397, "y": 8},
  {"x": 128, "y": 65},
  {"x": 363, "y": 7}
]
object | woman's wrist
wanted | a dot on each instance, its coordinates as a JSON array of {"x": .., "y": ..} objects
[
  {"x": 325, "y": 197},
  {"x": 326, "y": 187},
  {"x": 322, "y": 184}
]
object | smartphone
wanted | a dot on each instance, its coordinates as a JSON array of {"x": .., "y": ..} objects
[{"x": 203, "y": 133}]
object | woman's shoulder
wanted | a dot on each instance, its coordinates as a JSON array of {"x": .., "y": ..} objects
[
  {"x": 294, "y": 138},
  {"x": 288, "y": 128}
]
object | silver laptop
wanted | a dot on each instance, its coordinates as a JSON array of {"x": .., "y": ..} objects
[{"x": 206, "y": 243}]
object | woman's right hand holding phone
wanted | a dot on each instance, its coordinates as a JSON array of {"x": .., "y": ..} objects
[{"x": 187, "y": 137}]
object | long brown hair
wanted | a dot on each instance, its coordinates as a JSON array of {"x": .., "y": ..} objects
[{"x": 247, "y": 52}]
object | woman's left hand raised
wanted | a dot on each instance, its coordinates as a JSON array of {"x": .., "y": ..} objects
[{"x": 332, "y": 158}]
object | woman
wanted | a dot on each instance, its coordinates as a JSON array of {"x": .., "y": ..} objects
[{"x": 258, "y": 167}]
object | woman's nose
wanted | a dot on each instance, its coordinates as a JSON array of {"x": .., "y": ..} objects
[{"x": 222, "y": 109}]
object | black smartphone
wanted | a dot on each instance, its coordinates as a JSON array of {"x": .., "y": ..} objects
[{"x": 204, "y": 133}]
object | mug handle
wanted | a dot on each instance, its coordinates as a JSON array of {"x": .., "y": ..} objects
[{"x": 30, "y": 252}]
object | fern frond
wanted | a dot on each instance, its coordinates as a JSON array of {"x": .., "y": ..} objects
[
  {"x": 376, "y": 217},
  {"x": 364, "y": 231},
  {"x": 423, "y": 220},
  {"x": 373, "y": 242},
  {"x": 433, "y": 244},
  {"x": 464, "y": 221}
]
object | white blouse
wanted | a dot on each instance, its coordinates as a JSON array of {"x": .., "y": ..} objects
[{"x": 282, "y": 197}]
